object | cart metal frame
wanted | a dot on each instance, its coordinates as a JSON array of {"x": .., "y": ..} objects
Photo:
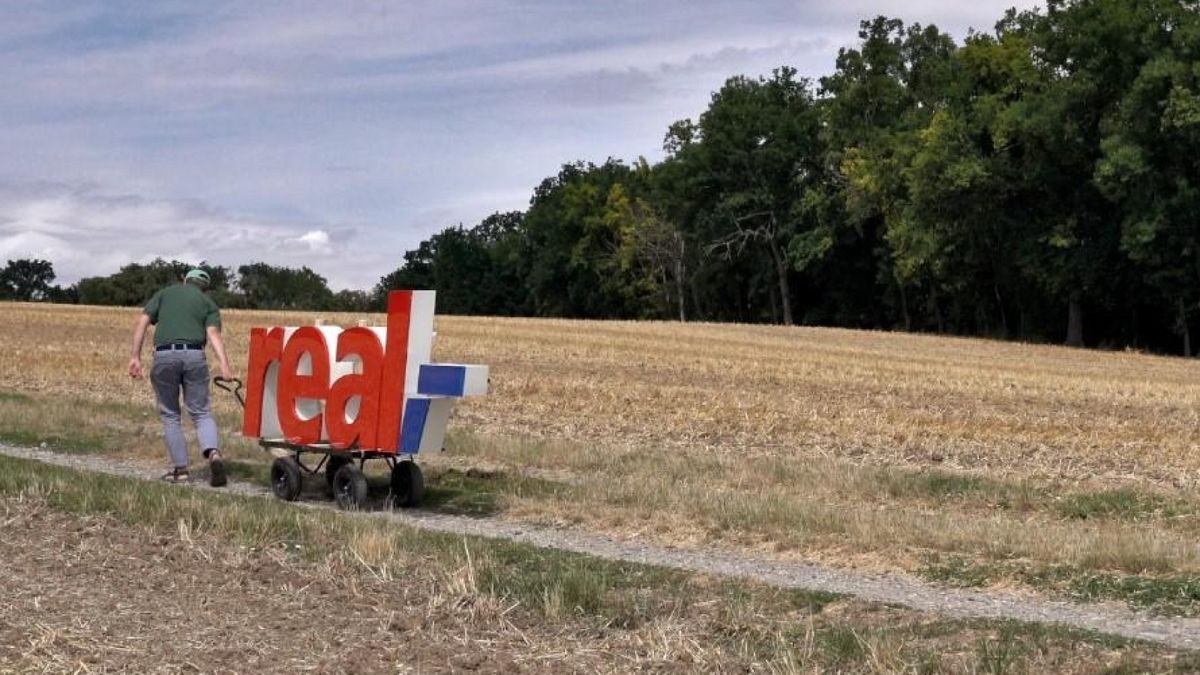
[{"x": 346, "y": 481}]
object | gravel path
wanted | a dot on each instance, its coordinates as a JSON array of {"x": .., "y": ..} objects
[{"x": 884, "y": 588}]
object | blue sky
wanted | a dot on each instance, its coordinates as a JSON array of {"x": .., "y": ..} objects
[{"x": 339, "y": 134}]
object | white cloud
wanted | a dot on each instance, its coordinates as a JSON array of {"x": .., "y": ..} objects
[
  {"x": 87, "y": 232},
  {"x": 312, "y": 132},
  {"x": 316, "y": 241}
]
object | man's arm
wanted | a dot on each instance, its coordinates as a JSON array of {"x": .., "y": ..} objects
[
  {"x": 214, "y": 338},
  {"x": 139, "y": 336}
]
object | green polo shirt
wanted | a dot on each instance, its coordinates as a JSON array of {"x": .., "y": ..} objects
[{"x": 182, "y": 313}]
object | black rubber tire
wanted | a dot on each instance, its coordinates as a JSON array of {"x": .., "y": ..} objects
[
  {"x": 408, "y": 485},
  {"x": 332, "y": 465},
  {"x": 286, "y": 480},
  {"x": 350, "y": 487}
]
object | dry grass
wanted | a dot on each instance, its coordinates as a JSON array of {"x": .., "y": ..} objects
[
  {"x": 780, "y": 440},
  {"x": 120, "y": 574},
  {"x": 751, "y": 390}
]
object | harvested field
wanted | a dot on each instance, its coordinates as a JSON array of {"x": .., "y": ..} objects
[
  {"x": 1011, "y": 409},
  {"x": 970, "y": 461}
]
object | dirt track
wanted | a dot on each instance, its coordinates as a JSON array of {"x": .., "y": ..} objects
[{"x": 1174, "y": 632}]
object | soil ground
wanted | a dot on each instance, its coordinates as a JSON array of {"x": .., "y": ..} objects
[{"x": 88, "y": 594}]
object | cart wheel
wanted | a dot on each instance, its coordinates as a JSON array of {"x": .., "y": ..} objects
[
  {"x": 350, "y": 487},
  {"x": 332, "y": 465},
  {"x": 285, "y": 478},
  {"x": 408, "y": 485}
]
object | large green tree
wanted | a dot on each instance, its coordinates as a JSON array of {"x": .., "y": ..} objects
[
  {"x": 265, "y": 286},
  {"x": 26, "y": 280},
  {"x": 1150, "y": 155},
  {"x": 474, "y": 271},
  {"x": 755, "y": 152},
  {"x": 878, "y": 102},
  {"x": 959, "y": 230},
  {"x": 1087, "y": 54},
  {"x": 652, "y": 252},
  {"x": 134, "y": 283},
  {"x": 574, "y": 267}
]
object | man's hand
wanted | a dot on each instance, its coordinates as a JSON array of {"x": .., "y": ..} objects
[
  {"x": 139, "y": 333},
  {"x": 226, "y": 371}
]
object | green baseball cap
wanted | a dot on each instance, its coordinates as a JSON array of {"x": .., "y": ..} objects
[{"x": 197, "y": 275}]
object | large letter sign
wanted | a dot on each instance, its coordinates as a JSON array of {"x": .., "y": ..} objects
[{"x": 361, "y": 388}]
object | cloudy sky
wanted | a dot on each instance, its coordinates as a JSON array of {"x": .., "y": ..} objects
[{"x": 339, "y": 134}]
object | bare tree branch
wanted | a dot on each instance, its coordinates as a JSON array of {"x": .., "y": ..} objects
[{"x": 735, "y": 242}]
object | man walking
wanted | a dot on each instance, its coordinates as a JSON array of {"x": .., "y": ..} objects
[{"x": 185, "y": 319}]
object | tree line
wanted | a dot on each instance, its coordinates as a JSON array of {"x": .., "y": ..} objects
[
  {"x": 1039, "y": 182},
  {"x": 253, "y": 286}
]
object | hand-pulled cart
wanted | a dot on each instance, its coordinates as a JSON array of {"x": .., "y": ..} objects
[
  {"x": 343, "y": 468},
  {"x": 350, "y": 396}
]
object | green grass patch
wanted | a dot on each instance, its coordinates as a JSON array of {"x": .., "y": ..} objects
[
  {"x": 1122, "y": 504},
  {"x": 933, "y": 484},
  {"x": 1002, "y": 654},
  {"x": 1169, "y": 595},
  {"x": 1172, "y": 595},
  {"x": 807, "y": 601},
  {"x": 842, "y": 645},
  {"x": 79, "y": 443},
  {"x": 481, "y": 493},
  {"x": 455, "y": 492},
  {"x": 959, "y": 571},
  {"x": 10, "y": 396},
  {"x": 940, "y": 486},
  {"x": 70, "y": 425},
  {"x": 258, "y": 473}
]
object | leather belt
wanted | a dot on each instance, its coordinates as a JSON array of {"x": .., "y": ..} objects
[{"x": 177, "y": 345}]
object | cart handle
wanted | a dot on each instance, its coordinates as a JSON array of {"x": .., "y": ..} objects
[{"x": 231, "y": 385}]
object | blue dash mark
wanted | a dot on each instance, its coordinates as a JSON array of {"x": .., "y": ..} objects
[
  {"x": 441, "y": 380},
  {"x": 415, "y": 414}
]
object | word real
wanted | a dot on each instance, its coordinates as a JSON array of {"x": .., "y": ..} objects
[{"x": 357, "y": 388}]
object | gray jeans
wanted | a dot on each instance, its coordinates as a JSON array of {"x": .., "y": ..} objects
[{"x": 186, "y": 371}]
